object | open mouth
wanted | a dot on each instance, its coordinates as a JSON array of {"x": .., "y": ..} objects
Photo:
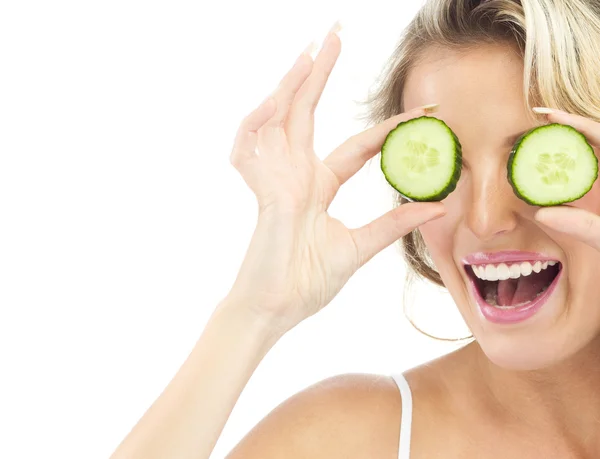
[{"x": 508, "y": 286}]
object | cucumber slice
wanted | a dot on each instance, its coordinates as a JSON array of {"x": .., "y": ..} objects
[
  {"x": 552, "y": 164},
  {"x": 422, "y": 159}
]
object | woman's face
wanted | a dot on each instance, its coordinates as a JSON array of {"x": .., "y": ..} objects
[{"x": 480, "y": 93}]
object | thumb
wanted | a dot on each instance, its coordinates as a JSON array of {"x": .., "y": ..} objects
[
  {"x": 382, "y": 232},
  {"x": 576, "y": 222}
]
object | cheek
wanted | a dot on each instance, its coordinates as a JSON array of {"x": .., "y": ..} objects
[
  {"x": 438, "y": 236},
  {"x": 581, "y": 265}
]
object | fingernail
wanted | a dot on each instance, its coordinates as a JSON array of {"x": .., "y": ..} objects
[
  {"x": 335, "y": 28},
  {"x": 539, "y": 215},
  {"x": 430, "y": 108},
  {"x": 435, "y": 210},
  {"x": 439, "y": 215},
  {"x": 544, "y": 216},
  {"x": 546, "y": 110},
  {"x": 310, "y": 49}
]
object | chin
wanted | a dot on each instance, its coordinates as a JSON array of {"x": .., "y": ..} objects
[
  {"x": 522, "y": 353},
  {"x": 552, "y": 336}
]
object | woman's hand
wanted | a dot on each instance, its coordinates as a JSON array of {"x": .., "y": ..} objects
[
  {"x": 579, "y": 223},
  {"x": 299, "y": 257}
]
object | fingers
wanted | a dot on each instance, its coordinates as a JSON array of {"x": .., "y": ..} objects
[
  {"x": 300, "y": 123},
  {"x": 243, "y": 153},
  {"x": 382, "y": 232},
  {"x": 347, "y": 159},
  {"x": 576, "y": 222},
  {"x": 272, "y": 137},
  {"x": 244, "y": 145},
  {"x": 589, "y": 128}
]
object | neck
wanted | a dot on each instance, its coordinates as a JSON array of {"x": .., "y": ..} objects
[{"x": 563, "y": 400}]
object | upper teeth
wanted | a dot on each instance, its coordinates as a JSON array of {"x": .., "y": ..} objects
[{"x": 513, "y": 271}]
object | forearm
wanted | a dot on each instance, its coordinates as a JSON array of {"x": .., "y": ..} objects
[{"x": 188, "y": 417}]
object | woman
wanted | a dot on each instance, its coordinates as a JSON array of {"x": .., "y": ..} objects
[{"x": 527, "y": 386}]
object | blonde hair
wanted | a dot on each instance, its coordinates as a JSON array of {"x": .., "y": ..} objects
[{"x": 558, "y": 41}]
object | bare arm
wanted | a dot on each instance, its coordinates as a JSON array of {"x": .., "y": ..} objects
[{"x": 188, "y": 417}]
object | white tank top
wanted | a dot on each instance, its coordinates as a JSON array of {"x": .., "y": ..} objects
[{"x": 406, "y": 421}]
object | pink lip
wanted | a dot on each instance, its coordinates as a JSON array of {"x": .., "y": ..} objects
[
  {"x": 481, "y": 258},
  {"x": 513, "y": 315}
]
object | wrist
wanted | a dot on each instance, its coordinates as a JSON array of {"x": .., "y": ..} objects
[{"x": 265, "y": 328}]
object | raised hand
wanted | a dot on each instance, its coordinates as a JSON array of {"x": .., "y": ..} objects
[{"x": 299, "y": 257}]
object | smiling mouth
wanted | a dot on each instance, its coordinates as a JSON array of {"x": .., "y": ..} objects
[{"x": 513, "y": 285}]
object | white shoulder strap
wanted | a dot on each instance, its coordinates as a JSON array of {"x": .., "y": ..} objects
[{"x": 406, "y": 421}]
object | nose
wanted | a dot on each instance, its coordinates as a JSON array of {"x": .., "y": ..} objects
[{"x": 493, "y": 208}]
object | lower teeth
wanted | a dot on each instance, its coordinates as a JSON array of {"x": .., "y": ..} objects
[{"x": 491, "y": 298}]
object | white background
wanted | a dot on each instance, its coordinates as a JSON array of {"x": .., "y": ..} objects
[{"x": 122, "y": 223}]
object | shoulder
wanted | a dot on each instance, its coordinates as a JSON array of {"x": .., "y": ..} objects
[
  {"x": 349, "y": 415},
  {"x": 358, "y": 416}
]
